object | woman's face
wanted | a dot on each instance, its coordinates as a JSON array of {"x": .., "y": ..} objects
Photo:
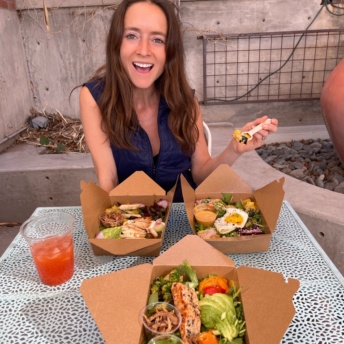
[{"x": 143, "y": 45}]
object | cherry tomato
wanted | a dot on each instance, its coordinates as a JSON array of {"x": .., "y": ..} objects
[
  {"x": 213, "y": 281},
  {"x": 213, "y": 290}
]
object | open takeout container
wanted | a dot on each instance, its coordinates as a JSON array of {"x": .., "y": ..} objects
[
  {"x": 115, "y": 299},
  {"x": 138, "y": 188},
  {"x": 269, "y": 200}
]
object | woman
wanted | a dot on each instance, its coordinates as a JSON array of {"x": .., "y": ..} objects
[{"x": 139, "y": 112}]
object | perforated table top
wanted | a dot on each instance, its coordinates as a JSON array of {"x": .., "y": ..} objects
[{"x": 34, "y": 313}]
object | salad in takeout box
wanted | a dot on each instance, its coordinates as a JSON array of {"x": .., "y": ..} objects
[
  {"x": 115, "y": 299},
  {"x": 226, "y": 213},
  {"x": 129, "y": 220}
]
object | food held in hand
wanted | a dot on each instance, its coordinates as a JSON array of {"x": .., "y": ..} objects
[
  {"x": 226, "y": 218},
  {"x": 133, "y": 221},
  {"x": 245, "y": 136},
  {"x": 241, "y": 137}
]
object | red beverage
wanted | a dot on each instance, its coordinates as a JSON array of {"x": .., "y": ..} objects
[{"x": 54, "y": 259}]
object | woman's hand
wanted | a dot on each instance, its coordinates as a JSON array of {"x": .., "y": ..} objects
[
  {"x": 258, "y": 138},
  {"x": 203, "y": 164}
]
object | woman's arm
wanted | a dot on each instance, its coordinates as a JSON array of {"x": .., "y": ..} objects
[
  {"x": 203, "y": 164},
  {"x": 97, "y": 141}
]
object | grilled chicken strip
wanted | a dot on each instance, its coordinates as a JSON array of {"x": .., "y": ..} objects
[{"x": 186, "y": 301}]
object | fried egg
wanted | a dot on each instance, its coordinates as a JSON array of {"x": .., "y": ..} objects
[{"x": 234, "y": 218}]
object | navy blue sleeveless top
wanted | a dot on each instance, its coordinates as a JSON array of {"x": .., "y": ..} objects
[{"x": 165, "y": 168}]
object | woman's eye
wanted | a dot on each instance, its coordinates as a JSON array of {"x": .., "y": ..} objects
[
  {"x": 130, "y": 36},
  {"x": 158, "y": 41}
]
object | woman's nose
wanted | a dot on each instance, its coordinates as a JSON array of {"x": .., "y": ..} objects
[{"x": 143, "y": 47}]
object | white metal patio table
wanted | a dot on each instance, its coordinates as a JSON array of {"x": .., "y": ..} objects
[{"x": 31, "y": 312}]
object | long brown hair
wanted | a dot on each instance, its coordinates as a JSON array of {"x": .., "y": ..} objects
[{"x": 116, "y": 99}]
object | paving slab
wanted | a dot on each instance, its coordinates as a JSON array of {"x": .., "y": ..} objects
[{"x": 7, "y": 234}]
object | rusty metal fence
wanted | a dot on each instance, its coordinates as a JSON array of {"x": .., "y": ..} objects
[{"x": 269, "y": 66}]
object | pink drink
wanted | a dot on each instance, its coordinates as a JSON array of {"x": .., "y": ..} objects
[{"x": 54, "y": 259}]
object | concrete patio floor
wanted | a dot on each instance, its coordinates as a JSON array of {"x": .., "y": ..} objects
[{"x": 7, "y": 234}]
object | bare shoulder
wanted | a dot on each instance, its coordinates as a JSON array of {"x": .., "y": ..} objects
[
  {"x": 86, "y": 97},
  {"x": 89, "y": 109}
]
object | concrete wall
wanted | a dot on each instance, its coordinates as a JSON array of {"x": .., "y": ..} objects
[
  {"x": 15, "y": 94},
  {"x": 30, "y": 180},
  {"x": 43, "y": 63}
]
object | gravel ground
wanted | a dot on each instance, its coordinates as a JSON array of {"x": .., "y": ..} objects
[{"x": 313, "y": 161}]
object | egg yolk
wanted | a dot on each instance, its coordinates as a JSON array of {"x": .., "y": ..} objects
[{"x": 234, "y": 218}]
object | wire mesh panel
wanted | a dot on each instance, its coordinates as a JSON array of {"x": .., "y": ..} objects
[{"x": 270, "y": 66}]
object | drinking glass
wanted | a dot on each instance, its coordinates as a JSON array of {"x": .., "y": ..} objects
[{"x": 50, "y": 238}]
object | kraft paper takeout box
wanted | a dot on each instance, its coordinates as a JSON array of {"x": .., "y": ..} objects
[
  {"x": 138, "y": 188},
  {"x": 225, "y": 180},
  {"x": 115, "y": 299}
]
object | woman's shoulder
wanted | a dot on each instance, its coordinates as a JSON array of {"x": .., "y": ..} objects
[{"x": 95, "y": 87}]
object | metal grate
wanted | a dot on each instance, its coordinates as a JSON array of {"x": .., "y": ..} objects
[{"x": 270, "y": 66}]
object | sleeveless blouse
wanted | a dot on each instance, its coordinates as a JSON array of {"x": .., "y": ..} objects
[{"x": 164, "y": 168}]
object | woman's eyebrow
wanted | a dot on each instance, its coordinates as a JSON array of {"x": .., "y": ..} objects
[
  {"x": 158, "y": 33},
  {"x": 138, "y": 30},
  {"x": 131, "y": 28}
]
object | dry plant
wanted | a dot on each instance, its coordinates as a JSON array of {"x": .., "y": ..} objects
[{"x": 62, "y": 134}]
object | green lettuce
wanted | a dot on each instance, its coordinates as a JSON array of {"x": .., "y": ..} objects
[
  {"x": 190, "y": 273},
  {"x": 161, "y": 286}
]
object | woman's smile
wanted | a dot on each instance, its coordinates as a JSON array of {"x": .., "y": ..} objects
[{"x": 143, "y": 67}]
